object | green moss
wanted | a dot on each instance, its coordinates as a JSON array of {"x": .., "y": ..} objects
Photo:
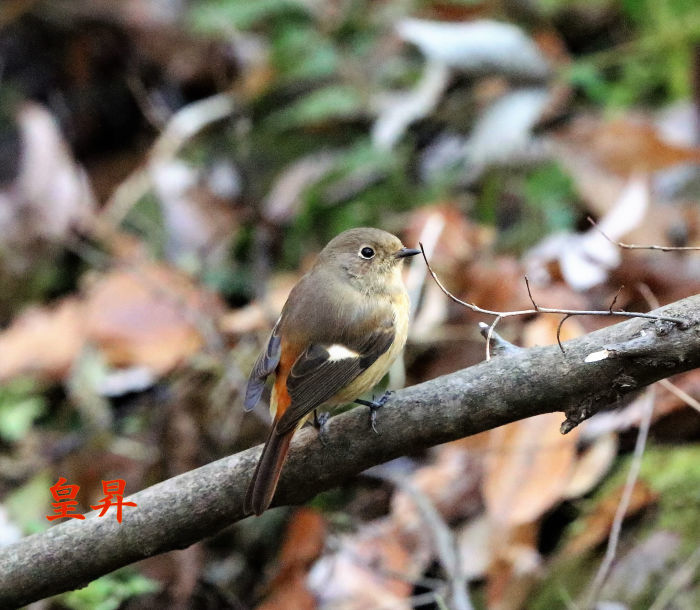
[{"x": 674, "y": 474}]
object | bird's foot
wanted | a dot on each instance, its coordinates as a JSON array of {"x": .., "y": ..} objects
[
  {"x": 374, "y": 406},
  {"x": 320, "y": 421}
]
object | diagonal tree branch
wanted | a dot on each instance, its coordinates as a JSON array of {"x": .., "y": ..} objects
[{"x": 515, "y": 384}]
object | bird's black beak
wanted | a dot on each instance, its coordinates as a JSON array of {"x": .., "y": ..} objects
[{"x": 404, "y": 252}]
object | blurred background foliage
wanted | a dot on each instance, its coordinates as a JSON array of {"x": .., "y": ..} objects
[{"x": 169, "y": 168}]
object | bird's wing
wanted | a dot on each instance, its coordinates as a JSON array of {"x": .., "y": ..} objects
[
  {"x": 322, "y": 370},
  {"x": 265, "y": 364}
]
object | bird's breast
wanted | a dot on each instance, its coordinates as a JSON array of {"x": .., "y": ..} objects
[{"x": 373, "y": 375}]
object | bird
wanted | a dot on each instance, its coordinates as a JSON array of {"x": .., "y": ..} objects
[{"x": 341, "y": 328}]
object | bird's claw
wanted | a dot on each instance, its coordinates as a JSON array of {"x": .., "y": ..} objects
[
  {"x": 320, "y": 421},
  {"x": 374, "y": 406}
]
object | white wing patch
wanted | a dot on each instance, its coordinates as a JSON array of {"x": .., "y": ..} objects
[{"x": 340, "y": 352}]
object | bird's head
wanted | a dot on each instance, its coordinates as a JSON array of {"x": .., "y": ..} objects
[{"x": 369, "y": 259}]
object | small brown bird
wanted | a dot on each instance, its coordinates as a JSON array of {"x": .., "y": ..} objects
[{"x": 341, "y": 328}]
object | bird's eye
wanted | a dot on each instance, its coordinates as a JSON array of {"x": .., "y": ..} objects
[{"x": 366, "y": 252}]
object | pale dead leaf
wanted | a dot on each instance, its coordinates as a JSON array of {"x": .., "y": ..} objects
[
  {"x": 481, "y": 46},
  {"x": 514, "y": 568},
  {"x": 450, "y": 483},
  {"x": 586, "y": 259},
  {"x": 147, "y": 317},
  {"x": 54, "y": 190},
  {"x": 369, "y": 569},
  {"x": 397, "y": 111},
  {"x": 592, "y": 466},
  {"x": 260, "y": 315},
  {"x": 474, "y": 547},
  {"x": 502, "y": 134},
  {"x": 283, "y": 201},
  {"x": 198, "y": 225},
  {"x": 43, "y": 341},
  {"x": 527, "y": 470},
  {"x": 626, "y": 145}
]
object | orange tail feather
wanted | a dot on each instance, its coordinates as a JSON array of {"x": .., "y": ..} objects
[{"x": 262, "y": 487}]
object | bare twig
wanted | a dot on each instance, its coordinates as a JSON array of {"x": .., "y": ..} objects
[
  {"x": 551, "y": 310},
  {"x": 529, "y": 293},
  {"x": 443, "y": 540},
  {"x": 561, "y": 323},
  {"x": 643, "y": 247},
  {"x": 617, "y": 294},
  {"x": 614, "y": 538},
  {"x": 684, "y": 396}
]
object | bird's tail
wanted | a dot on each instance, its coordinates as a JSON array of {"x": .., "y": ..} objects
[{"x": 267, "y": 473}]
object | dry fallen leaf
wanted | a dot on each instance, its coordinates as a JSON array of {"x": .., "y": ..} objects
[
  {"x": 450, "y": 482},
  {"x": 302, "y": 545},
  {"x": 150, "y": 316},
  {"x": 54, "y": 190},
  {"x": 43, "y": 341},
  {"x": 480, "y": 46},
  {"x": 527, "y": 469},
  {"x": 585, "y": 259},
  {"x": 626, "y": 145},
  {"x": 260, "y": 315},
  {"x": 596, "y": 526},
  {"x": 370, "y": 569}
]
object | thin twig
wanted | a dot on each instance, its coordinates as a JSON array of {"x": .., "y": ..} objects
[
  {"x": 529, "y": 293},
  {"x": 561, "y": 323},
  {"x": 683, "y": 324},
  {"x": 684, "y": 396},
  {"x": 617, "y": 294},
  {"x": 182, "y": 126},
  {"x": 443, "y": 540},
  {"x": 614, "y": 538},
  {"x": 641, "y": 246},
  {"x": 489, "y": 334}
]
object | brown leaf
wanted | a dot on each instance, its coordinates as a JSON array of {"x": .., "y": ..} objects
[
  {"x": 450, "y": 482},
  {"x": 369, "y": 569},
  {"x": 530, "y": 463},
  {"x": 260, "y": 315},
  {"x": 596, "y": 526},
  {"x": 43, "y": 341},
  {"x": 514, "y": 568},
  {"x": 626, "y": 145},
  {"x": 147, "y": 316},
  {"x": 303, "y": 544},
  {"x": 150, "y": 316},
  {"x": 527, "y": 470}
]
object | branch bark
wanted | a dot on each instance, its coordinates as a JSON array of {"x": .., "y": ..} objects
[{"x": 513, "y": 385}]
